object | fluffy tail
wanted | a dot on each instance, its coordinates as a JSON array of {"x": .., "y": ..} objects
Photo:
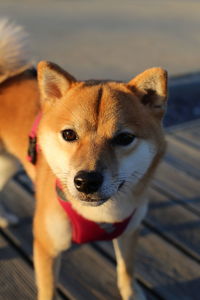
[{"x": 14, "y": 52}]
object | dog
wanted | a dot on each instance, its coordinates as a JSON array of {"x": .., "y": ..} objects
[{"x": 93, "y": 147}]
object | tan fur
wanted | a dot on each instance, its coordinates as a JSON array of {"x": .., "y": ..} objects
[{"x": 97, "y": 111}]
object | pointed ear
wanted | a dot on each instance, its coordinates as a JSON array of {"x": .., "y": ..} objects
[
  {"x": 54, "y": 82},
  {"x": 151, "y": 86}
]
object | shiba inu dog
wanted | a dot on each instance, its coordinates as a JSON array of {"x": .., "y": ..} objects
[{"x": 94, "y": 146}]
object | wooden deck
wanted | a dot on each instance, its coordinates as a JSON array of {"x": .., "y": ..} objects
[{"x": 168, "y": 256}]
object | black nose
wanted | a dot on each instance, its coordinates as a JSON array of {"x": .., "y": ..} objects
[{"x": 88, "y": 182}]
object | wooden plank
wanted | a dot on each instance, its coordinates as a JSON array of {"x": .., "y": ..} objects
[
  {"x": 87, "y": 275},
  {"x": 163, "y": 268},
  {"x": 18, "y": 200},
  {"x": 21, "y": 203},
  {"x": 172, "y": 274},
  {"x": 185, "y": 185},
  {"x": 183, "y": 146},
  {"x": 186, "y": 126},
  {"x": 183, "y": 165},
  {"x": 17, "y": 278},
  {"x": 183, "y": 156},
  {"x": 175, "y": 222},
  {"x": 101, "y": 283},
  {"x": 196, "y": 132},
  {"x": 189, "y": 138},
  {"x": 188, "y": 133},
  {"x": 178, "y": 185}
]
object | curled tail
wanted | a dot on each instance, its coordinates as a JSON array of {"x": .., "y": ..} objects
[{"x": 14, "y": 51}]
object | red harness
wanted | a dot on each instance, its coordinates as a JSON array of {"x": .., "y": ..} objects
[{"x": 83, "y": 230}]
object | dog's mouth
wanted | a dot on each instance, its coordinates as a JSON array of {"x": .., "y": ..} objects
[{"x": 93, "y": 201}]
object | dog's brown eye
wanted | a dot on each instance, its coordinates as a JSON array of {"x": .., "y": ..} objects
[
  {"x": 69, "y": 135},
  {"x": 123, "y": 139}
]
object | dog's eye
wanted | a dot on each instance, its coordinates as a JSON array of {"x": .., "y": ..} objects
[
  {"x": 69, "y": 135},
  {"x": 123, "y": 139}
]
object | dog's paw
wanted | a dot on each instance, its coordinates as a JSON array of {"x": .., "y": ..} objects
[
  {"x": 132, "y": 293},
  {"x": 7, "y": 218}
]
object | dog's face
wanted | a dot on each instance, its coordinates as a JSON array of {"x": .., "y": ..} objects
[{"x": 100, "y": 138}]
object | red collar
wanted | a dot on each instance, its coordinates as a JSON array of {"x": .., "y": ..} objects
[{"x": 83, "y": 230}]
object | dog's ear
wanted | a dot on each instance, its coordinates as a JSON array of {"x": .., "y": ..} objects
[
  {"x": 151, "y": 87},
  {"x": 54, "y": 82}
]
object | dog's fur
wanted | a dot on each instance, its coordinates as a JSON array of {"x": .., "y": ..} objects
[{"x": 97, "y": 111}]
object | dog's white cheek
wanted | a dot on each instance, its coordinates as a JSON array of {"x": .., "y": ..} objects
[
  {"x": 138, "y": 162},
  {"x": 59, "y": 160},
  {"x": 56, "y": 157}
]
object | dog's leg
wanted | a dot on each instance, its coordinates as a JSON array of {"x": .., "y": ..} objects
[
  {"x": 52, "y": 235},
  {"x": 8, "y": 167},
  {"x": 125, "y": 248},
  {"x": 47, "y": 268}
]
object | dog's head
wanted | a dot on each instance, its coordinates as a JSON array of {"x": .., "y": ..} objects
[{"x": 101, "y": 138}]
